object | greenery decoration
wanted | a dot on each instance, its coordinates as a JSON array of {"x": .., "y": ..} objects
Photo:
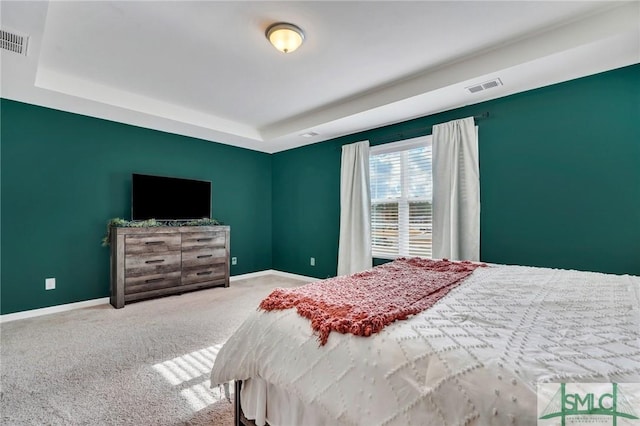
[{"x": 122, "y": 223}]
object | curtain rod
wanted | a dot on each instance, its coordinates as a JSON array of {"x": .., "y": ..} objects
[
  {"x": 419, "y": 130},
  {"x": 415, "y": 129},
  {"x": 483, "y": 115}
]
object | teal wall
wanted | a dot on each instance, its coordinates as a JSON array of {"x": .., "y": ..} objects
[
  {"x": 306, "y": 209},
  {"x": 559, "y": 180},
  {"x": 64, "y": 175},
  {"x": 559, "y": 175}
]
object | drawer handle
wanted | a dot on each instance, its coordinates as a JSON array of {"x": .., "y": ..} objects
[
  {"x": 202, "y": 256},
  {"x": 155, "y": 261},
  {"x": 203, "y": 239},
  {"x": 204, "y": 273},
  {"x": 151, "y": 243},
  {"x": 152, "y": 280}
]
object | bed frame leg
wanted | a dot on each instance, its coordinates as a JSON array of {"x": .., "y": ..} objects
[{"x": 238, "y": 387}]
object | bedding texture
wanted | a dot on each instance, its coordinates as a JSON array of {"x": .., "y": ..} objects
[
  {"x": 366, "y": 302},
  {"x": 474, "y": 358}
]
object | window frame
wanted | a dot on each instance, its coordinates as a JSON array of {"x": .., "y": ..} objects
[{"x": 404, "y": 200}]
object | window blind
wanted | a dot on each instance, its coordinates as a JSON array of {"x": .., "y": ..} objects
[{"x": 401, "y": 195}]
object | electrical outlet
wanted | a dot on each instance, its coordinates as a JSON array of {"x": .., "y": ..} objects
[
  {"x": 50, "y": 284},
  {"x": 234, "y": 260},
  {"x": 312, "y": 261}
]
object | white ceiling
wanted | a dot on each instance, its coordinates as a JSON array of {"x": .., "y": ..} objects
[{"x": 205, "y": 69}]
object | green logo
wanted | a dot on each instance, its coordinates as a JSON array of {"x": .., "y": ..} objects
[{"x": 582, "y": 405}]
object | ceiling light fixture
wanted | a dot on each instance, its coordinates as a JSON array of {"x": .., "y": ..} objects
[{"x": 285, "y": 37}]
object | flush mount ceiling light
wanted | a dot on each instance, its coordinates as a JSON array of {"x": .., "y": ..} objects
[{"x": 285, "y": 37}]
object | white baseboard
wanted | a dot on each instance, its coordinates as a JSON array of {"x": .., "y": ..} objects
[
  {"x": 105, "y": 300},
  {"x": 273, "y": 272},
  {"x": 53, "y": 309},
  {"x": 234, "y": 278},
  {"x": 295, "y": 276}
]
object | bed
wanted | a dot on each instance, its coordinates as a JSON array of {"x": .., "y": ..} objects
[{"x": 476, "y": 357}]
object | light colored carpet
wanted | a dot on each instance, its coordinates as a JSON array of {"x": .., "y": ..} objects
[{"x": 145, "y": 364}]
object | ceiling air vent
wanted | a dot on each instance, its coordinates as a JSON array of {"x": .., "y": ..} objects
[
  {"x": 484, "y": 86},
  {"x": 13, "y": 42}
]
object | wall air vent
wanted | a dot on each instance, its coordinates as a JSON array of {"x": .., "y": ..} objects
[
  {"x": 484, "y": 86},
  {"x": 14, "y": 42}
]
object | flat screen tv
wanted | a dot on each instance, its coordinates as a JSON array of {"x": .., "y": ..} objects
[{"x": 169, "y": 198}]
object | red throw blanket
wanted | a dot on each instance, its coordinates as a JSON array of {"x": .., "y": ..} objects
[{"x": 364, "y": 303}]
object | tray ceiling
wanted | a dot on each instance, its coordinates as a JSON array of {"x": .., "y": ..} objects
[{"x": 205, "y": 69}]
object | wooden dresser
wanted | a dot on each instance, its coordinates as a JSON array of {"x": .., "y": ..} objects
[{"x": 157, "y": 261}]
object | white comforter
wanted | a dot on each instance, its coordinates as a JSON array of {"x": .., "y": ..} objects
[{"x": 473, "y": 358}]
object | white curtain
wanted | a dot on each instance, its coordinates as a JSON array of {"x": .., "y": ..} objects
[
  {"x": 456, "y": 191},
  {"x": 354, "y": 249}
]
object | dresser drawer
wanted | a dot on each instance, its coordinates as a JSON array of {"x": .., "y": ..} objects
[
  {"x": 203, "y": 257},
  {"x": 197, "y": 240},
  {"x": 201, "y": 274},
  {"x": 152, "y": 282},
  {"x": 154, "y": 263},
  {"x": 152, "y": 243}
]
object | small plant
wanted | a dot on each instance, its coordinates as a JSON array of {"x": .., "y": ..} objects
[
  {"x": 122, "y": 223},
  {"x": 200, "y": 222}
]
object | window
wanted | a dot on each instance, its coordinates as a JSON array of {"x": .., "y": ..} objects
[{"x": 401, "y": 194}]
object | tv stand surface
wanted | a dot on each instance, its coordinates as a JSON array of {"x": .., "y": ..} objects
[{"x": 163, "y": 260}]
